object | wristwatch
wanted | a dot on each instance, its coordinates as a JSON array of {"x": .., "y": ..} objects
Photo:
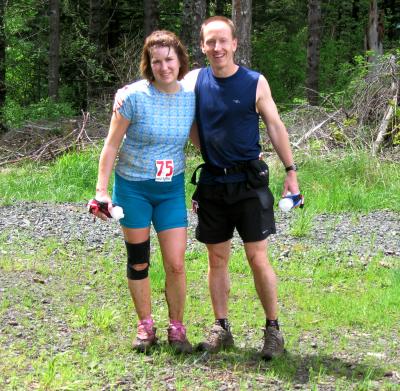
[{"x": 292, "y": 167}]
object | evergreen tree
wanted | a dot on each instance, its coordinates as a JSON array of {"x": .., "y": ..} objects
[
  {"x": 54, "y": 49},
  {"x": 375, "y": 31},
  {"x": 2, "y": 66},
  {"x": 151, "y": 16},
  {"x": 241, "y": 16},
  {"x": 314, "y": 39},
  {"x": 193, "y": 15}
]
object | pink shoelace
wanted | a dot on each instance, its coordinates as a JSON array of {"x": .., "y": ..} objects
[
  {"x": 145, "y": 330},
  {"x": 176, "y": 331}
]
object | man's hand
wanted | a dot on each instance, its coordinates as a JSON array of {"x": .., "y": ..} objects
[
  {"x": 119, "y": 98},
  {"x": 290, "y": 183}
]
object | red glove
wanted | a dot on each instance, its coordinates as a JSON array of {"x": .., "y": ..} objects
[{"x": 95, "y": 206}]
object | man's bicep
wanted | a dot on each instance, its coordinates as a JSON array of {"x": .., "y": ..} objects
[{"x": 266, "y": 106}]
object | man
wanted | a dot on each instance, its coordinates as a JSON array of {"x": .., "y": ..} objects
[{"x": 229, "y": 101}]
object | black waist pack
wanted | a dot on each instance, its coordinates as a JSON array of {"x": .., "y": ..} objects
[{"x": 257, "y": 174}]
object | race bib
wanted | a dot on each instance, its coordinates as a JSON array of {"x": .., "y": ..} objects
[{"x": 165, "y": 170}]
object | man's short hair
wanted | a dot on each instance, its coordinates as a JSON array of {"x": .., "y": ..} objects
[{"x": 218, "y": 19}]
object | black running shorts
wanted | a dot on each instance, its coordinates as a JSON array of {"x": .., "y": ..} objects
[{"x": 223, "y": 207}]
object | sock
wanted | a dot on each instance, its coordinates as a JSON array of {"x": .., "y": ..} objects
[
  {"x": 175, "y": 323},
  {"x": 148, "y": 320},
  {"x": 224, "y": 323},
  {"x": 272, "y": 323}
]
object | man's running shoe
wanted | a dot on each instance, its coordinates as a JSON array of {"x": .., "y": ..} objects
[
  {"x": 217, "y": 339},
  {"x": 273, "y": 343}
]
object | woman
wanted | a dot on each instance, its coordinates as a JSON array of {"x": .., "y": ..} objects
[{"x": 155, "y": 118}]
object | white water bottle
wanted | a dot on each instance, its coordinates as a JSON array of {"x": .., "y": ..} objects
[
  {"x": 290, "y": 201},
  {"x": 117, "y": 213},
  {"x": 286, "y": 203}
]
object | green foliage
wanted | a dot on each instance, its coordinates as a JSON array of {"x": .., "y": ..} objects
[
  {"x": 88, "y": 72},
  {"x": 281, "y": 58},
  {"x": 335, "y": 71},
  {"x": 170, "y": 15},
  {"x": 352, "y": 182},
  {"x": 347, "y": 181},
  {"x": 26, "y": 53},
  {"x": 16, "y": 115}
]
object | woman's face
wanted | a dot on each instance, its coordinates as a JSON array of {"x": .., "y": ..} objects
[{"x": 165, "y": 65}]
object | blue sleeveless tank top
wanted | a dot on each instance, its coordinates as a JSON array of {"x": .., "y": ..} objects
[{"x": 227, "y": 118}]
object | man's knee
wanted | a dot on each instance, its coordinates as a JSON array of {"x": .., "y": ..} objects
[
  {"x": 257, "y": 262},
  {"x": 218, "y": 255},
  {"x": 218, "y": 261},
  {"x": 256, "y": 252},
  {"x": 138, "y": 260}
]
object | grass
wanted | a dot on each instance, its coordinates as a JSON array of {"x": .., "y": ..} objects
[
  {"x": 353, "y": 182},
  {"x": 66, "y": 318},
  {"x": 73, "y": 328},
  {"x": 70, "y": 178}
]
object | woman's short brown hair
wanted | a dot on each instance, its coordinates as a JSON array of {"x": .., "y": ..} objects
[{"x": 163, "y": 38}]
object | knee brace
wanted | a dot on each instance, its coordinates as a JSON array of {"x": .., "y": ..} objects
[{"x": 138, "y": 253}]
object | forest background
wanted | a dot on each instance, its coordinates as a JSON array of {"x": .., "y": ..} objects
[
  {"x": 65, "y": 316},
  {"x": 59, "y": 58}
]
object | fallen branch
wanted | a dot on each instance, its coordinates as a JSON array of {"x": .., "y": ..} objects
[
  {"x": 315, "y": 128},
  {"x": 45, "y": 145},
  {"x": 382, "y": 131},
  {"x": 383, "y": 127}
]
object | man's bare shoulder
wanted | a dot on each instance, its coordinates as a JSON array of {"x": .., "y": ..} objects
[
  {"x": 263, "y": 90},
  {"x": 262, "y": 82}
]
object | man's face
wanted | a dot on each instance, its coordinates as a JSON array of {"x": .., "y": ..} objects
[{"x": 218, "y": 44}]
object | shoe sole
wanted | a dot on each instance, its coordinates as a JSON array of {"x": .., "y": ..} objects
[
  {"x": 144, "y": 349},
  {"x": 276, "y": 355},
  {"x": 202, "y": 347},
  {"x": 181, "y": 351}
]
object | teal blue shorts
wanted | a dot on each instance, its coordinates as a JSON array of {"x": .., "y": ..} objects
[{"x": 146, "y": 202}]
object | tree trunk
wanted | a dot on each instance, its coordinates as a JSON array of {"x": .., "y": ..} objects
[
  {"x": 194, "y": 13},
  {"x": 2, "y": 66},
  {"x": 241, "y": 16},
  {"x": 355, "y": 10},
  {"x": 392, "y": 9},
  {"x": 186, "y": 34},
  {"x": 54, "y": 49},
  {"x": 314, "y": 39},
  {"x": 151, "y": 16},
  {"x": 220, "y": 7},
  {"x": 97, "y": 36},
  {"x": 374, "y": 35}
]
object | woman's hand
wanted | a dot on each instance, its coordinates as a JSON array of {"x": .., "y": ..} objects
[{"x": 102, "y": 197}]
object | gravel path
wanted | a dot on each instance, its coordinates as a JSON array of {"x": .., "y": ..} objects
[{"x": 363, "y": 234}]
